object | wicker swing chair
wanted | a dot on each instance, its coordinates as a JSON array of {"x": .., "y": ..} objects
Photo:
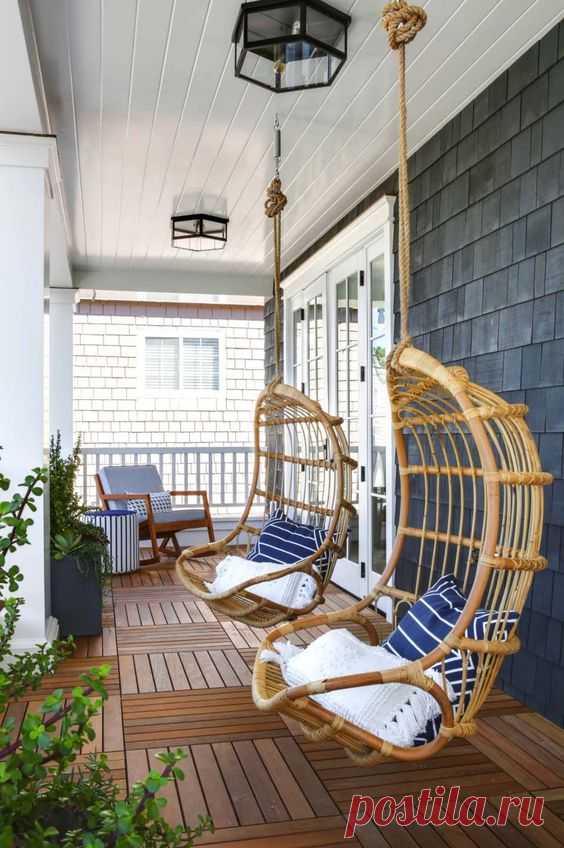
[
  {"x": 302, "y": 466},
  {"x": 471, "y": 503}
]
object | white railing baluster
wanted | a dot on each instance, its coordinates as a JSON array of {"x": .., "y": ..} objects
[
  {"x": 175, "y": 464},
  {"x": 246, "y": 472},
  {"x": 210, "y": 476},
  {"x": 234, "y": 470},
  {"x": 84, "y": 470}
]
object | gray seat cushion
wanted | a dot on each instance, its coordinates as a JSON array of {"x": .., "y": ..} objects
[
  {"x": 134, "y": 479},
  {"x": 181, "y": 514},
  {"x": 119, "y": 479}
]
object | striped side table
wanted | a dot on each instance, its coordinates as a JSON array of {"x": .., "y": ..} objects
[{"x": 121, "y": 526}]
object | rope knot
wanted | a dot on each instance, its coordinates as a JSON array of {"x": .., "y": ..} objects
[
  {"x": 276, "y": 200},
  {"x": 402, "y": 22}
]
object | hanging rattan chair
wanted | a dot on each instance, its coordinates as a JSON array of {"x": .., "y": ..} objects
[
  {"x": 302, "y": 467},
  {"x": 471, "y": 504}
]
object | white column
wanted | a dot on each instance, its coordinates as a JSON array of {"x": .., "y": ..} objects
[
  {"x": 61, "y": 310},
  {"x": 24, "y": 165}
]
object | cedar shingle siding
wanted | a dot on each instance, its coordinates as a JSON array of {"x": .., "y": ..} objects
[{"x": 487, "y": 199}]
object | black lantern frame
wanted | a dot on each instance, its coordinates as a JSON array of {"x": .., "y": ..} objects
[
  {"x": 199, "y": 232},
  {"x": 310, "y": 19}
]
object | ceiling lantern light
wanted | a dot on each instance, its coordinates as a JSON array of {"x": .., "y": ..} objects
[
  {"x": 199, "y": 232},
  {"x": 290, "y": 45}
]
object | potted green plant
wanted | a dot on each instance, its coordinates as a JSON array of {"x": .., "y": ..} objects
[
  {"x": 46, "y": 798},
  {"x": 79, "y": 551}
]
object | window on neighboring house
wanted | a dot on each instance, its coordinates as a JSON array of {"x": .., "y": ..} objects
[
  {"x": 162, "y": 364},
  {"x": 181, "y": 363},
  {"x": 200, "y": 370}
]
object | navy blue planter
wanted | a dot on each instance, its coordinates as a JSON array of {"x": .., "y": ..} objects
[{"x": 76, "y": 598}]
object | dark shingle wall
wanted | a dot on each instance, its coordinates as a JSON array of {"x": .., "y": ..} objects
[{"x": 487, "y": 199}]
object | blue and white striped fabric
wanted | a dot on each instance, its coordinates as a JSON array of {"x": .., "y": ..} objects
[
  {"x": 429, "y": 621},
  {"x": 122, "y": 531},
  {"x": 285, "y": 541}
]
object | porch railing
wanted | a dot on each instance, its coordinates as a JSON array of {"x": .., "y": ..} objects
[{"x": 224, "y": 472}]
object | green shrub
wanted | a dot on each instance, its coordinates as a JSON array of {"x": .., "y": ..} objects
[
  {"x": 46, "y": 798},
  {"x": 70, "y": 536}
]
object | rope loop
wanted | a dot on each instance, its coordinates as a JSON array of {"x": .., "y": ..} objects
[
  {"x": 274, "y": 204},
  {"x": 276, "y": 200},
  {"x": 402, "y": 22},
  {"x": 393, "y": 358}
]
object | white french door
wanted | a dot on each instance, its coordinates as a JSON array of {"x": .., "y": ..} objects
[
  {"x": 338, "y": 334},
  {"x": 345, "y": 296},
  {"x": 308, "y": 349}
]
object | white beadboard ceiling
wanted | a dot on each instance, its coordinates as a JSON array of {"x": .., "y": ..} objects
[{"x": 151, "y": 120}]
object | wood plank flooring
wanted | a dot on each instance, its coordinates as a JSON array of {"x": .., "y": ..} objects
[{"x": 181, "y": 678}]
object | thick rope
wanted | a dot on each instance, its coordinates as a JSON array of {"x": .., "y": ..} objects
[
  {"x": 275, "y": 202},
  {"x": 402, "y": 22}
]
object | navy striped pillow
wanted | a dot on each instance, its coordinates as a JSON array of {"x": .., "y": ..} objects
[
  {"x": 285, "y": 541},
  {"x": 429, "y": 621}
]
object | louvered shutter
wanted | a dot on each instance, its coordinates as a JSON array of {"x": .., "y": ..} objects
[
  {"x": 201, "y": 364},
  {"x": 162, "y": 364}
]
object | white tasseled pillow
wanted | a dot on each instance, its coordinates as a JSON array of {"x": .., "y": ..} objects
[{"x": 396, "y": 712}]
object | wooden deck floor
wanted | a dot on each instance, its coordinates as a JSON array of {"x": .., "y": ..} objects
[{"x": 180, "y": 677}]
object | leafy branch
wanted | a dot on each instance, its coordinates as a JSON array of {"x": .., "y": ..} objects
[{"x": 45, "y": 798}]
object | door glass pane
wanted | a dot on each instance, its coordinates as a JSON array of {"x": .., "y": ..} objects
[
  {"x": 297, "y": 330},
  {"x": 378, "y": 533},
  {"x": 342, "y": 337},
  {"x": 313, "y": 380},
  {"x": 379, "y": 412},
  {"x": 377, "y": 295},
  {"x": 315, "y": 349},
  {"x": 312, "y": 331},
  {"x": 348, "y": 381},
  {"x": 353, "y": 308},
  {"x": 320, "y": 378},
  {"x": 319, "y": 324},
  {"x": 342, "y": 384},
  {"x": 378, "y": 322},
  {"x": 297, "y": 336}
]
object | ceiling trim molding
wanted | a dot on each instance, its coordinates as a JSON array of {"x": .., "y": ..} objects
[{"x": 189, "y": 281}]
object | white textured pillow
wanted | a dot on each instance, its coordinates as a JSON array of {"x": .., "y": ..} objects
[
  {"x": 294, "y": 590},
  {"x": 396, "y": 712},
  {"x": 160, "y": 501}
]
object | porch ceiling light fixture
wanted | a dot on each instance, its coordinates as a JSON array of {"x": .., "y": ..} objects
[
  {"x": 199, "y": 232},
  {"x": 290, "y": 45}
]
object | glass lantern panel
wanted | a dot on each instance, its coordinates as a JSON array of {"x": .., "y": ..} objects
[
  {"x": 188, "y": 227},
  {"x": 324, "y": 28},
  {"x": 213, "y": 228},
  {"x": 288, "y": 67},
  {"x": 267, "y": 24}
]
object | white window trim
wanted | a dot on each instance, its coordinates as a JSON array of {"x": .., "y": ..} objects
[
  {"x": 180, "y": 394},
  {"x": 371, "y": 230}
]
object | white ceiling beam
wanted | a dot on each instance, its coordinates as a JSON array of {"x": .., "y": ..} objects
[
  {"x": 25, "y": 128},
  {"x": 164, "y": 281},
  {"x": 22, "y": 101}
]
